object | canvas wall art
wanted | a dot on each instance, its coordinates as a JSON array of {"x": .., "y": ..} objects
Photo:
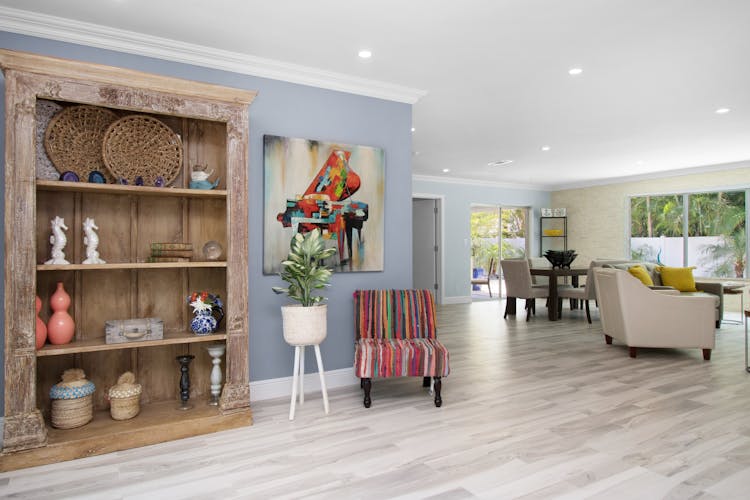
[{"x": 339, "y": 188}]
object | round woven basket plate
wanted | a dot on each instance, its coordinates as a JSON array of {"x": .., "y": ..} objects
[
  {"x": 73, "y": 139},
  {"x": 142, "y": 146}
]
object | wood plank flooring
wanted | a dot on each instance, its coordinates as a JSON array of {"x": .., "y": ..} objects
[{"x": 531, "y": 410}]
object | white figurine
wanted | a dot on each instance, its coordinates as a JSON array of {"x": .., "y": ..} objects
[
  {"x": 91, "y": 240},
  {"x": 58, "y": 240}
]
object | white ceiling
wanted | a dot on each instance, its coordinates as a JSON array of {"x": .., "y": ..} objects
[{"x": 495, "y": 73}]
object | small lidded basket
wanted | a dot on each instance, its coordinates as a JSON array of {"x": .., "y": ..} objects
[
  {"x": 72, "y": 400},
  {"x": 124, "y": 397}
]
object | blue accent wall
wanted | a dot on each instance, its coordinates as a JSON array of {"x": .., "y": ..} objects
[
  {"x": 291, "y": 110},
  {"x": 456, "y": 215}
]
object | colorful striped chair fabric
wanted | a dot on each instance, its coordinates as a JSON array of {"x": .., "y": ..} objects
[{"x": 396, "y": 337}]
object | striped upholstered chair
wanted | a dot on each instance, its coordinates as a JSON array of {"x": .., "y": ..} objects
[{"x": 396, "y": 337}]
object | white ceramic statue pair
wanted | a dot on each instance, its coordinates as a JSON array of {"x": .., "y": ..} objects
[{"x": 58, "y": 241}]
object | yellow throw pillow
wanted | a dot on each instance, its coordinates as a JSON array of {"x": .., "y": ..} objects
[
  {"x": 680, "y": 278},
  {"x": 642, "y": 274}
]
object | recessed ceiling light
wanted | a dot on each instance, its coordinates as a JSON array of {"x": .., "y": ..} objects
[
  {"x": 545, "y": 148},
  {"x": 723, "y": 111},
  {"x": 446, "y": 170},
  {"x": 639, "y": 162},
  {"x": 413, "y": 129},
  {"x": 499, "y": 163},
  {"x": 575, "y": 71},
  {"x": 365, "y": 54}
]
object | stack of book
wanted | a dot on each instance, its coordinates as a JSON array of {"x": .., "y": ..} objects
[{"x": 171, "y": 252}]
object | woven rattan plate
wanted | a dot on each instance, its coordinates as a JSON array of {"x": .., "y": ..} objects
[
  {"x": 73, "y": 139},
  {"x": 142, "y": 146}
]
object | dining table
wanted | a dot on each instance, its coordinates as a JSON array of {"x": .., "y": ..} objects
[{"x": 553, "y": 274}]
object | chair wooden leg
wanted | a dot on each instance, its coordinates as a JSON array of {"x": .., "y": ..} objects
[
  {"x": 559, "y": 308},
  {"x": 367, "y": 385},
  {"x": 489, "y": 288},
  {"x": 588, "y": 312},
  {"x": 633, "y": 352},
  {"x": 426, "y": 382},
  {"x": 528, "y": 309},
  {"x": 438, "y": 386},
  {"x": 607, "y": 339},
  {"x": 533, "y": 306},
  {"x": 707, "y": 354},
  {"x": 510, "y": 307}
]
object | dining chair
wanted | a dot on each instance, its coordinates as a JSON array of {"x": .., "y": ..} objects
[
  {"x": 518, "y": 285},
  {"x": 485, "y": 280},
  {"x": 584, "y": 293}
]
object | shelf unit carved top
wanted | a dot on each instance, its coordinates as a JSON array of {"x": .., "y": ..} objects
[
  {"x": 77, "y": 70},
  {"x": 84, "y": 187}
]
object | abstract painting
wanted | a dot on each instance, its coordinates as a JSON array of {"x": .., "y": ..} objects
[{"x": 339, "y": 188}]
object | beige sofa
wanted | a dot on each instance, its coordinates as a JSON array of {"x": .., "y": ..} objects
[
  {"x": 705, "y": 288},
  {"x": 641, "y": 317}
]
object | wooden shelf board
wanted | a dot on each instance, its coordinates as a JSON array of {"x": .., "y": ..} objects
[
  {"x": 88, "y": 187},
  {"x": 130, "y": 265},
  {"x": 99, "y": 345},
  {"x": 156, "y": 423}
]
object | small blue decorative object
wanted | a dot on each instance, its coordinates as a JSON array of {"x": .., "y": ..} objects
[
  {"x": 203, "y": 323},
  {"x": 159, "y": 181},
  {"x": 199, "y": 178},
  {"x": 139, "y": 181},
  {"x": 69, "y": 176},
  {"x": 123, "y": 181},
  {"x": 208, "y": 311},
  {"x": 62, "y": 392},
  {"x": 97, "y": 177}
]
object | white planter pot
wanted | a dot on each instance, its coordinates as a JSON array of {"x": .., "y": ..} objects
[{"x": 304, "y": 325}]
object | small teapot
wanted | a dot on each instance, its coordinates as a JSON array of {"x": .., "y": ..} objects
[{"x": 199, "y": 178}]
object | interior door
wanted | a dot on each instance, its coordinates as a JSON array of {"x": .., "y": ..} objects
[{"x": 425, "y": 244}]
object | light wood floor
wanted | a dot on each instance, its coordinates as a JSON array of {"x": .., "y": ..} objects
[{"x": 531, "y": 410}]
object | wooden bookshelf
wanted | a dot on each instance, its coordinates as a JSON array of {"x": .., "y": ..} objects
[{"x": 213, "y": 125}]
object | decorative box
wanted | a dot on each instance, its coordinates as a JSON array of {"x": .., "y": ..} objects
[
  {"x": 71, "y": 400},
  {"x": 559, "y": 212},
  {"x": 119, "y": 331},
  {"x": 546, "y": 212}
]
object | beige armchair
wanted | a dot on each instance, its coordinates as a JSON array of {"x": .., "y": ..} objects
[{"x": 641, "y": 317}]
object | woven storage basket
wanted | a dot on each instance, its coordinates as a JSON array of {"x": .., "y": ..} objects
[
  {"x": 304, "y": 325},
  {"x": 124, "y": 398},
  {"x": 72, "y": 413},
  {"x": 73, "y": 139},
  {"x": 142, "y": 146},
  {"x": 71, "y": 400}
]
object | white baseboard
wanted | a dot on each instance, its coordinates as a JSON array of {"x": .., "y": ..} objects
[
  {"x": 282, "y": 387},
  {"x": 457, "y": 300}
]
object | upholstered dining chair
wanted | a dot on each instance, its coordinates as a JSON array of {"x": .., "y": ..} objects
[
  {"x": 518, "y": 286},
  {"x": 584, "y": 294}
]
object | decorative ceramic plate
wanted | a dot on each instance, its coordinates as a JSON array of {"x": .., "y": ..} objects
[
  {"x": 45, "y": 110},
  {"x": 73, "y": 139},
  {"x": 141, "y": 146}
]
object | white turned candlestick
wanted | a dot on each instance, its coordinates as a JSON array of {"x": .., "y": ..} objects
[{"x": 216, "y": 351}]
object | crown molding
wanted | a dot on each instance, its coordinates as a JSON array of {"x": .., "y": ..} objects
[
  {"x": 68, "y": 30},
  {"x": 480, "y": 183},
  {"x": 654, "y": 175}
]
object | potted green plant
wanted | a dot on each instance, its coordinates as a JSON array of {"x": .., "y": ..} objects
[{"x": 305, "y": 272}]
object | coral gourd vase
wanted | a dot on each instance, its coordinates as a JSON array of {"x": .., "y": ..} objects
[
  {"x": 60, "y": 327},
  {"x": 41, "y": 328}
]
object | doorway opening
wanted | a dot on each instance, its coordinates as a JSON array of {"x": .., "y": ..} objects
[{"x": 497, "y": 232}]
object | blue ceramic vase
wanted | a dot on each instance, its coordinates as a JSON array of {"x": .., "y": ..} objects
[{"x": 203, "y": 323}]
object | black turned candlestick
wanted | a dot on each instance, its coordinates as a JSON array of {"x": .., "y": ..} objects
[{"x": 184, "y": 361}]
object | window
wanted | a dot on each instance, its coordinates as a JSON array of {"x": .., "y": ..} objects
[{"x": 705, "y": 230}]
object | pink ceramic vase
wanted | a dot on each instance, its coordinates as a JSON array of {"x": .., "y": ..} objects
[
  {"x": 41, "y": 328},
  {"x": 60, "y": 327}
]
